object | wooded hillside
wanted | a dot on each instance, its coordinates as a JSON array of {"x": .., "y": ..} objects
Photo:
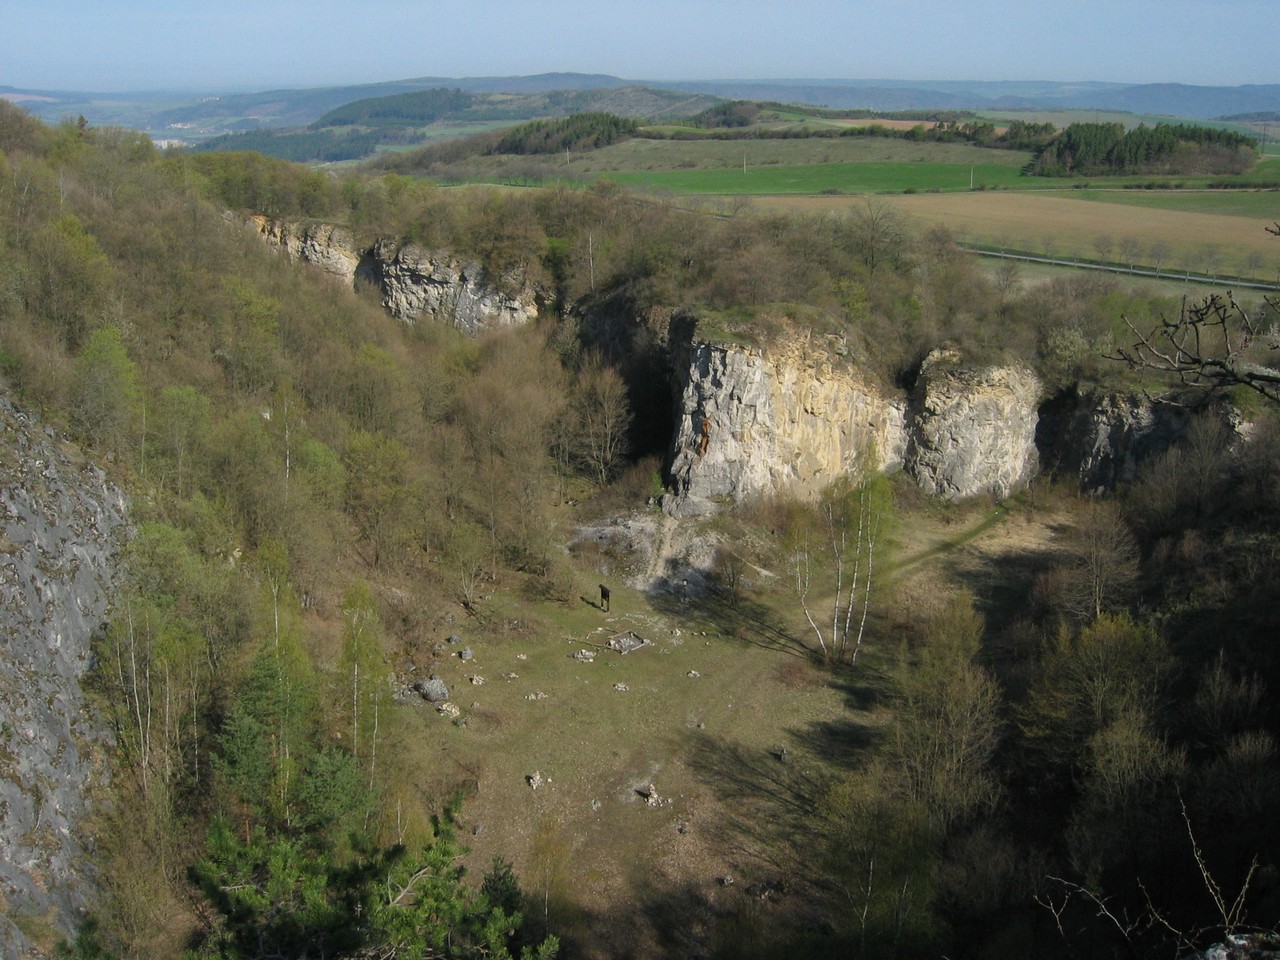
[{"x": 1070, "y": 751}]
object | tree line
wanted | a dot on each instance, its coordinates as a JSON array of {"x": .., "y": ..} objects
[{"x": 1093, "y": 149}]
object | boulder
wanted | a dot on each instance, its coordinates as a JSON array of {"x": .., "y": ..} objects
[{"x": 432, "y": 690}]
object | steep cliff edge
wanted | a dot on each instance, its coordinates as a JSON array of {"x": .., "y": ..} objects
[
  {"x": 793, "y": 418},
  {"x": 63, "y": 526},
  {"x": 973, "y": 429},
  {"x": 415, "y": 283}
]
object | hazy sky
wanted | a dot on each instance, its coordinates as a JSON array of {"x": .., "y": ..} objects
[{"x": 113, "y": 45}]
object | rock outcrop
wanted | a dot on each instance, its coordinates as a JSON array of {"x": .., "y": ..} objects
[
  {"x": 331, "y": 248},
  {"x": 415, "y": 283},
  {"x": 972, "y": 429},
  {"x": 1102, "y": 440},
  {"x": 418, "y": 284},
  {"x": 793, "y": 418},
  {"x": 63, "y": 526}
]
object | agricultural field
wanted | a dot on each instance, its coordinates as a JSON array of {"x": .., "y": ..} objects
[
  {"x": 1252, "y": 204},
  {"x": 1187, "y": 229},
  {"x": 820, "y": 178},
  {"x": 652, "y": 156},
  {"x": 1064, "y": 225}
]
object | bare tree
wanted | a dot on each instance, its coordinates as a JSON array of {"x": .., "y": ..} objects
[
  {"x": 878, "y": 235},
  {"x": 1104, "y": 562},
  {"x": 1130, "y": 250},
  {"x": 1102, "y": 245},
  {"x": 603, "y": 417},
  {"x": 1212, "y": 345},
  {"x": 1008, "y": 277},
  {"x": 845, "y": 538},
  {"x": 1211, "y": 259},
  {"x": 1159, "y": 254}
]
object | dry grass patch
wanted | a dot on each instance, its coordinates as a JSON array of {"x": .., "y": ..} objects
[{"x": 1066, "y": 227}]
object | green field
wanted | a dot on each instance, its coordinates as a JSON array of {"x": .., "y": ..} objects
[{"x": 824, "y": 178}]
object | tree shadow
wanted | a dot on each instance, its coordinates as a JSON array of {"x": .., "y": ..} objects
[
  {"x": 769, "y": 896},
  {"x": 742, "y": 617},
  {"x": 1002, "y": 584}
]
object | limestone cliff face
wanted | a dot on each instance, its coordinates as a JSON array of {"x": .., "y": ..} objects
[
  {"x": 415, "y": 283},
  {"x": 793, "y": 418},
  {"x": 973, "y": 430},
  {"x": 333, "y": 249},
  {"x": 1103, "y": 440},
  {"x": 62, "y": 526},
  {"x": 752, "y": 422}
]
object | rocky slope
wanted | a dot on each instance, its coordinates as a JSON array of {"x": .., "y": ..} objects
[
  {"x": 416, "y": 284},
  {"x": 62, "y": 525}
]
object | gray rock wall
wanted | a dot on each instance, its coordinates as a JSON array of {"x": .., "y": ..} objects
[
  {"x": 331, "y": 248},
  {"x": 62, "y": 526},
  {"x": 751, "y": 423},
  {"x": 1103, "y": 440},
  {"x": 419, "y": 284},
  {"x": 794, "y": 418},
  {"x": 416, "y": 284},
  {"x": 973, "y": 430}
]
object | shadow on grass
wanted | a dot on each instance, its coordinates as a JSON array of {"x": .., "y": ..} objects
[
  {"x": 744, "y": 618},
  {"x": 765, "y": 895},
  {"x": 1001, "y": 585},
  {"x": 694, "y": 921}
]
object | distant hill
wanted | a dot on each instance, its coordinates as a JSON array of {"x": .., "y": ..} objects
[
  {"x": 360, "y": 128},
  {"x": 193, "y": 118},
  {"x": 1169, "y": 99}
]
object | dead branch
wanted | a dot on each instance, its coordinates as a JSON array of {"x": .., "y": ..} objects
[{"x": 1210, "y": 346}]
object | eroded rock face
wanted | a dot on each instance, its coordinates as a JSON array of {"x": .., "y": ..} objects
[
  {"x": 751, "y": 423},
  {"x": 416, "y": 284},
  {"x": 1104, "y": 440},
  {"x": 331, "y": 248},
  {"x": 973, "y": 430},
  {"x": 63, "y": 528}
]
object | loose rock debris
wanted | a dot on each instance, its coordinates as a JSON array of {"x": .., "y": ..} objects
[{"x": 626, "y": 642}]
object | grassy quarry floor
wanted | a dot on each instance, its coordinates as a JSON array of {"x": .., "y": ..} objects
[{"x": 724, "y": 716}]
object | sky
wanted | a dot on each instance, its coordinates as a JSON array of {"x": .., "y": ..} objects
[{"x": 189, "y": 45}]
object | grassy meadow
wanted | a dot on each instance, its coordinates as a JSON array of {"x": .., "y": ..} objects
[
  {"x": 725, "y": 714},
  {"x": 820, "y": 178}
]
